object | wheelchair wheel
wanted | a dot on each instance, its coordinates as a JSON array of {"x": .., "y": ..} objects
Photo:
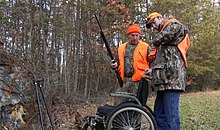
[{"x": 130, "y": 116}]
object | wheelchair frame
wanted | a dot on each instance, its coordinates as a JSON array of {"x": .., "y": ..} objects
[{"x": 129, "y": 115}]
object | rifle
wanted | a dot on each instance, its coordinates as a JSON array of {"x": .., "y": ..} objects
[{"x": 109, "y": 51}]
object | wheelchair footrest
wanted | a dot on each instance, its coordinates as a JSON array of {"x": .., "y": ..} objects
[{"x": 104, "y": 110}]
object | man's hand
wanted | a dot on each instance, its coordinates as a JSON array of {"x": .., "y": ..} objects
[
  {"x": 148, "y": 72},
  {"x": 158, "y": 39},
  {"x": 114, "y": 64}
]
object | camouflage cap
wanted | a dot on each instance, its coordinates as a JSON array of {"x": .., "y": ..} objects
[{"x": 150, "y": 18}]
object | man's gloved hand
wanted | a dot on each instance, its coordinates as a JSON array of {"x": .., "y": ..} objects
[{"x": 114, "y": 64}]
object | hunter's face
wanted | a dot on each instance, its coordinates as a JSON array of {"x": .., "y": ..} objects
[
  {"x": 156, "y": 23},
  {"x": 133, "y": 38}
]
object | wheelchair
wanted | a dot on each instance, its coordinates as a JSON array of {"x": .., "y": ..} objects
[{"x": 133, "y": 114}]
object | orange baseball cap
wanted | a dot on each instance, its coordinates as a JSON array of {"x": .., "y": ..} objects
[
  {"x": 134, "y": 28},
  {"x": 150, "y": 18}
]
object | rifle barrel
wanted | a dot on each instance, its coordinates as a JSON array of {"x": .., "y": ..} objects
[{"x": 109, "y": 52}]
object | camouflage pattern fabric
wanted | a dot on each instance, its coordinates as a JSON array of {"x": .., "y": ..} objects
[
  {"x": 6, "y": 121},
  {"x": 129, "y": 87},
  {"x": 168, "y": 70},
  {"x": 9, "y": 96},
  {"x": 128, "y": 60}
]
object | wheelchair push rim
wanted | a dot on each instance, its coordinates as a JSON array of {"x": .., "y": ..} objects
[{"x": 130, "y": 117}]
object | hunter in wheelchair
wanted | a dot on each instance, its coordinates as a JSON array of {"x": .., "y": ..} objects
[{"x": 131, "y": 111}]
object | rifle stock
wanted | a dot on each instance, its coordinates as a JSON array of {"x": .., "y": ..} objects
[{"x": 109, "y": 52}]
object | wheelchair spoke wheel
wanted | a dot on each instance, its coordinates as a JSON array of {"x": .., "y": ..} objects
[{"x": 130, "y": 117}]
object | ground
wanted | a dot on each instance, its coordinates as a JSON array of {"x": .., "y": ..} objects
[{"x": 69, "y": 111}]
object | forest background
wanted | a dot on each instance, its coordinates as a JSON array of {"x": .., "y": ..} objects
[{"x": 60, "y": 40}]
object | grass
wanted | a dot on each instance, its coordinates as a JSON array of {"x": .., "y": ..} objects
[{"x": 199, "y": 111}]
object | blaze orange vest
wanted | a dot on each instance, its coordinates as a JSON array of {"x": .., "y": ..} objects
[
  {"x": 140, "y": 62},
  {"x": 183, "y": 46}
]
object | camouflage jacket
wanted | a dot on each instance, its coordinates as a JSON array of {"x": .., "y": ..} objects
[{"x": 168, "y": 70}]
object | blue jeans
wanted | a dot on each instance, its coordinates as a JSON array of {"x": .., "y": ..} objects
[{"x": 166, "y": 110}]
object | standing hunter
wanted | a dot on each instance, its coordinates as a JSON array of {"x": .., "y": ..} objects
[{"x": 168, "y": 68}]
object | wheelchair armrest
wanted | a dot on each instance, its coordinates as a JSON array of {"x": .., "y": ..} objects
[
  {"x": 126, "y": 95},
  {"x": 147, "y": 77}
]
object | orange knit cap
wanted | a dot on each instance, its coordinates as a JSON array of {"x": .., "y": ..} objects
[
  {"x": 134, "y": 28},
  {"x": 150, "y": 18}
]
